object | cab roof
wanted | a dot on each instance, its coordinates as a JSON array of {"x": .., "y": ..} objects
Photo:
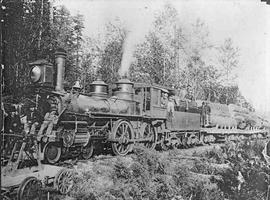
[{"x": 156, "y": 86}]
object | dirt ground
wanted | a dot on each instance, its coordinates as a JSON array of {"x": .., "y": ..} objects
[{"x": 219, "y": 171}]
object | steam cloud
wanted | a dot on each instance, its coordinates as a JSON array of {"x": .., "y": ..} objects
[
  {"x": 136, "y": 34},
  {"x": 128, "y": 51}
]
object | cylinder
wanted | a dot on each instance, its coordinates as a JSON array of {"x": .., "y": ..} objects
[
  {"x": 60, "y": 59},
  {"x": 81, "y": 138}
]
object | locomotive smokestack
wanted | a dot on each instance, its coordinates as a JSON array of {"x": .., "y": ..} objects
[{"x": 60, "y": 59}]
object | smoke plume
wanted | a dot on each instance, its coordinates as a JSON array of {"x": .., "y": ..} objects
[
  {"x": 128, "y": 51},
  {"x": 137, "y": 28}
]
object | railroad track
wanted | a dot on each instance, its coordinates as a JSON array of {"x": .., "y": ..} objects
[
  {"x": 181, "y": 151},
  {"x": 51, "y": 177}
]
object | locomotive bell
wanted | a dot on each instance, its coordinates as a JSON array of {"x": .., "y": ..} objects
[
  {"x": 124, "y": 89},
  {"x": 99, "y": 88},
  {"x": 41, "y": 72}
]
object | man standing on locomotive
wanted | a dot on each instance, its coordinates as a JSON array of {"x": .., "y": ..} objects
[
  {"x": 189, "y": 97},
  {"x": 203, "y": 114},
  {"x": 170, "y": 111},
  {"x": 207, "y": 113},
  {"x": 49, "y": 120},
  {"x": 76, "y": 88},
  {"x": 164, "y": 98}
]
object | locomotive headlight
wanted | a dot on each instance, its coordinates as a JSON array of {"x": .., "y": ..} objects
[{"x": 35, "y": 74}]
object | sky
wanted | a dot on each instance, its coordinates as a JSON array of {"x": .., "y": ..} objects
[{"x": 247, "y": 22}]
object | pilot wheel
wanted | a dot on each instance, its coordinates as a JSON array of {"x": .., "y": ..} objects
[
  {"x": 30, "y": 188},
  {"x": 87, "y": 151},
  {"x": 63, "y": 181},
  {"x": 52, "y": 153}
]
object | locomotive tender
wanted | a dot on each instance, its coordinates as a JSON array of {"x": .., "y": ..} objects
[{"x": 75, "y": 124}]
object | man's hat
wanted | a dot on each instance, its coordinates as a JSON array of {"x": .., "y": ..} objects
[
  {"x": 77, "y": 85},
  {"x": 164, "y": 90}
]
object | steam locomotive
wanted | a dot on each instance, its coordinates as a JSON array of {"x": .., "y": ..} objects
[{"x": 69, "y": 123}]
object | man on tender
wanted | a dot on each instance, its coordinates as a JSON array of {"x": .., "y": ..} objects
[{"x": 207, "y": 112}]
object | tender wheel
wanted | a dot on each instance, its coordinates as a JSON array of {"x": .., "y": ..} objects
[
  {"x": 63, "y": 181},
  {"x": 30, "y": 188},
  {"x": 164, "y": 142},
  {"x": 87, "y": 151},
  {"x": 185, "y": 142},
  {"x": 122, "y": 132},
  {"x": 202, "y": 139},
  {"x": 242, "y": 125},
  {"x": 52, "y": 153},
  {"x": 149, "y": 132},
  {"x": 165, "y": 145}
]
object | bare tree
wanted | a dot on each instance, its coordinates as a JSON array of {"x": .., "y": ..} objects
[{"x": 229, "y": 61}]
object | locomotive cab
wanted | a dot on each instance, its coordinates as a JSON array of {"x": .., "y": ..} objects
[
  {"x": 151, "y": 98},
  {"x": 155, "y": 105}
]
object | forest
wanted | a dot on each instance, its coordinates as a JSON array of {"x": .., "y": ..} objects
[{"x": 170, "y": 54}]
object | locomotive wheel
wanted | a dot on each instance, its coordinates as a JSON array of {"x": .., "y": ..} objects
[
  {"x": 30, "y": 188},
  {"x": 202, "y": 139},
  {"x": 164, "y": 145},
  {"x": 149, "y": 132},
  {"x": 165, "y": 142},
  {"x": 122, "y": 131},
  {"x": 87, "y": 151},
  {"x": 52, "y": 153},
  {"x": 185, "y": 142},
  {"x": 63, "y": 181},
  {"x": 242, "y": 125}
]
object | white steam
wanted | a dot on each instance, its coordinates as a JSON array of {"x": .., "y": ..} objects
[
  {"x": 138, "y": 27},
  {"x": 129, "y": 48}
]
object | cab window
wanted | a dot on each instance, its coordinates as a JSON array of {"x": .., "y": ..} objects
[{"x": 156, "y": 97}]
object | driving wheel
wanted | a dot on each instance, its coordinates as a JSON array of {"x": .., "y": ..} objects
[
  {"x": 122, "y": 132},
  {"x": 148, "y": 131}
]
